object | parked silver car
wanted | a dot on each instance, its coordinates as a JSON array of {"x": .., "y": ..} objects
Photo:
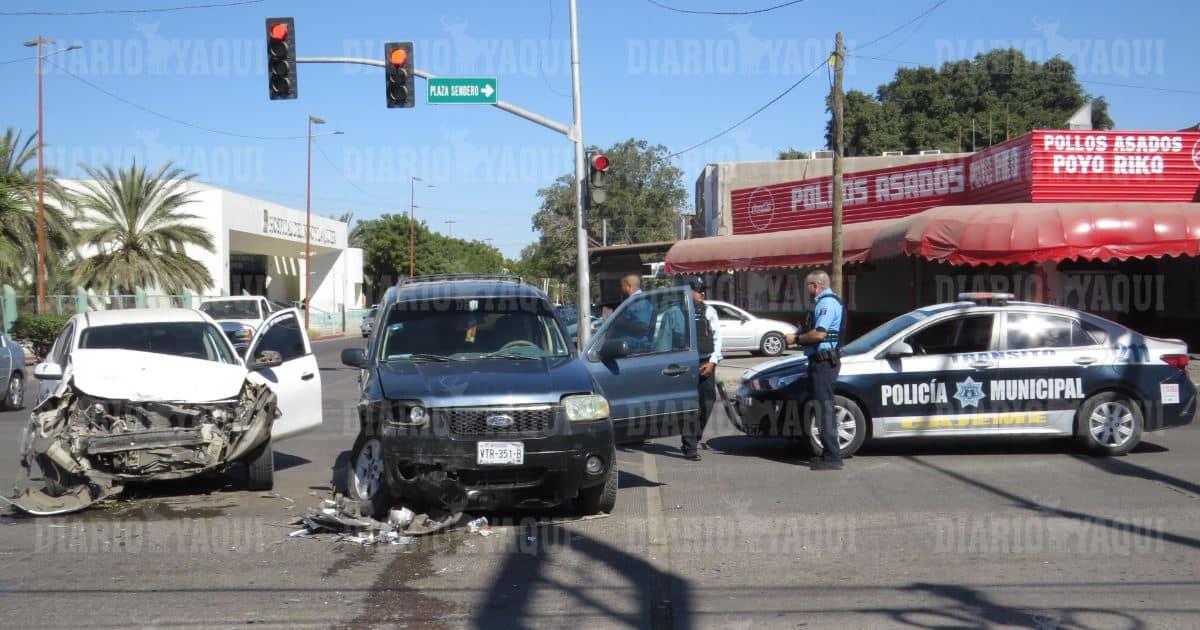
[
  {"x": 12, "y": 373},
  {"x": 741, "y": 330}
]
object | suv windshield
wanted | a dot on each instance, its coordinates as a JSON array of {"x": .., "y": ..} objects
[
  {"x": 232, "y": 309},
  {"x": 471, "y": 329},
  {"x": 196, "y": 340}
]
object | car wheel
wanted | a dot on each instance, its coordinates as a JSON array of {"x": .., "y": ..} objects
[
  {"x": 772, "y": 344},
  {"x": 601, "y": 498},
  {"x": 365, "y": 480},
  {"x": 851, "y": 422},
  {"x": 1109, "y": 424},
  {"x": 14, "y": 398},
  {"x": 260, "y": 467}
]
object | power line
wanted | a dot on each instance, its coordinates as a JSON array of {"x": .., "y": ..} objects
[
  {"x": 343, "y": 175},
  {"x": 541, "y": 61},
  {"x": 754, "y": 113},
  {"x": 888, "y": 34},
  {"x": 166, "y": 117},
  {"x": 187, "y": 7},
  {"x": 749, "y": 12},
  {"x": 5, "y": 63},
  {"x": 1131, "y": 86}
]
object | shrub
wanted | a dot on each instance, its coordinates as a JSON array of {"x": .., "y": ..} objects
[{"x": 39, "y": 331}]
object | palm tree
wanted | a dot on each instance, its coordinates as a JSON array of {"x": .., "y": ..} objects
[
  {"x": 136, "y": 232},
  {"x": 18, "y": 212}
]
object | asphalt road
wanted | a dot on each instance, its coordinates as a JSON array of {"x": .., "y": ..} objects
[{"x": 917, "y": 533}]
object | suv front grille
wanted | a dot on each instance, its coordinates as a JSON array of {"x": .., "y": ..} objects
[{"x": 473, "y": 421}]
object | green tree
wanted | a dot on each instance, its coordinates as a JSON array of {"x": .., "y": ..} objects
[
  {"x": 1001, "y": 91},
  {"x": 18, "y": 213},
  {"x": 385, "y": 243},
  {"x": 137, "y": 232},
  {"x": 645, "y": 199}
]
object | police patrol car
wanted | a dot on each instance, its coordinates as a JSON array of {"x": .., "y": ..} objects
[{"x": 985, "y": 365}]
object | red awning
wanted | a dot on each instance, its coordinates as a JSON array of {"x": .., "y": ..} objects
[
  {"x": 1023, "y": 233},
  {"x": 792, "y": 248}
]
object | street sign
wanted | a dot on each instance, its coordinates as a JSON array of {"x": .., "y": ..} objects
[{"x": 463, "y": 91}]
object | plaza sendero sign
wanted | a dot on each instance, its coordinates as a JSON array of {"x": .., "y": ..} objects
[{"x": 276, "y": 225}]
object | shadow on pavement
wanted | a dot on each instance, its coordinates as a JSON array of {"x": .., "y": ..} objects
[
  {"x": 284, "y": 461},
  {"x": 1049, "y": 510},
  {"x": 1125, "y": 468},
  {"x": 628, "y": 480},
  {"x": 782, "y": 450},
  {"x": 523, "y": 576}
]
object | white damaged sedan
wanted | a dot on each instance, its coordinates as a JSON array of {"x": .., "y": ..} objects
[{"x": 156, "y": 394}]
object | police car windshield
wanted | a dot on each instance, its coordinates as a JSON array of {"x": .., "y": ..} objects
[{"x": 877, "y": 335}]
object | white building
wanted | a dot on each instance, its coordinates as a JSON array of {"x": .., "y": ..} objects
[{"x": 259, "y": 250}]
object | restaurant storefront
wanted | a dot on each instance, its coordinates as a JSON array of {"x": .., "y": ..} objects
[{"x": 1107, "y": 222}]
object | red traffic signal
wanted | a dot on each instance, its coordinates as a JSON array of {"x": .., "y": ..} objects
[
  {"x": 281, "y": 59},
  {"x": 597, "y": 181},
  {"x": 399, "y": 74}
]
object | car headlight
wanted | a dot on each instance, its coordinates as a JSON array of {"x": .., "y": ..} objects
[
  {"x": 779, "y": 382},
  {"x": 408, "y": 412},
  {"x": 585, "y": 408}
]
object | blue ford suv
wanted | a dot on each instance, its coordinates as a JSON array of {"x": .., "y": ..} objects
[{"x": 471, "y": 395}]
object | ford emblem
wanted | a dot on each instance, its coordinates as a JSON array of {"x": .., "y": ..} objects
[{"x": 499, "y": 422}]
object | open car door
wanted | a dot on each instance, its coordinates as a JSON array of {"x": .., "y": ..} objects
[
  {"x": 645, "y": 360},
  {"x": 296, "y": 381}
]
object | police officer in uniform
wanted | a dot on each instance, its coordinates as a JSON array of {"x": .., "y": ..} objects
[
  {"x": 820, "y": 341},
  {"x": 708, "y": 335}
]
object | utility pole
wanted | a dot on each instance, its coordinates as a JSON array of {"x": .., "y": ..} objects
[
  {"x": 412, "y": 231},
  {"x": 604, "y": 238},
  {"x": 583, "y": 274},
  {"x": 839, "y": 56},
  {"x": 37, "y": 44},
  {"x": 308, "y": 274}
]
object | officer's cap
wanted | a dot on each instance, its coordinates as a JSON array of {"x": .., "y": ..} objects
[{"x": 696, "y": 283}]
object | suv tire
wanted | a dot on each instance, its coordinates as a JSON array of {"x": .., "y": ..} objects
[
  {"x": 601, "y": 498},
  {"x": 260, "y": 467},
  {"x": 367, "y": 483}
]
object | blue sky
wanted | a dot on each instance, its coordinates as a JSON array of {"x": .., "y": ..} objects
[{"x": 649, "y": 73}]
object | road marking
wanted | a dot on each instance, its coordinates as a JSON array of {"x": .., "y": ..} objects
[
  {"x": 656, "y": 525},
  {"x": 658, "y": 552}
]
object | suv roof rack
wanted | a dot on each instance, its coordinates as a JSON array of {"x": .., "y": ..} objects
[
  {"x": 988, "y": 298},
  {"x": 451, "y": 277}
]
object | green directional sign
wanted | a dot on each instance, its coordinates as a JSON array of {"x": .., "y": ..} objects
[{"x": 463, "y": 91}]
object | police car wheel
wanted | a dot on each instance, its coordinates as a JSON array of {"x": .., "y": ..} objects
[
  {"x": 1109, "y": 424},
  {"x": 772, "y": 344},
  {"x": 852, "y": 426}
]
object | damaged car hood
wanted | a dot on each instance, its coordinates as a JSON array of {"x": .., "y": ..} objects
[
  {"x": 145, "y": 376},
  {"x": 479, "y": 381}
]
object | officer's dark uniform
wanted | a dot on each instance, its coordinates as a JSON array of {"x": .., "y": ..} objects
[
  {"x": 708, "y": 344},
  {"x": 824, "y": 362}
]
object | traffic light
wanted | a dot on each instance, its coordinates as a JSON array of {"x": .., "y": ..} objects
[
  {"x": 597, "y": 177},
  {"x": 281, "y": 58},
  {"x": 399, "y": 59}
]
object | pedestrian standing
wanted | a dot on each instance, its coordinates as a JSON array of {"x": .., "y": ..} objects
[
  {"x": 708, "y": 337},
  {"x": 820, "y": 339}
]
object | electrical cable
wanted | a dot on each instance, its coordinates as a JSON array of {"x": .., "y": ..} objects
[
  {"x": 187, "y": 7},
  {"x": 748, "y": 12}
]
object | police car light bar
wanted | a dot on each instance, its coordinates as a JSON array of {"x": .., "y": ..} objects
[{"x": 999, "y": 299}]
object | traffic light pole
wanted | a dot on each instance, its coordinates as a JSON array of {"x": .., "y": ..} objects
[{"x": 572, "y": 132}]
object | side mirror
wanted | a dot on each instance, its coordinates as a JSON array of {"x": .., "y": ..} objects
[
  {"x": 47, "y": 371},
  {"x": 266, "y": 359},
  {"x": 898, "y": 350},
  {"x": 614, "y": 349},
  {"x": 354, "y": 357}
]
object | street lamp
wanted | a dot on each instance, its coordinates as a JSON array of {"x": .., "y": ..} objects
[
  {"x": 412, "y": 230},
  {"x": 312, "y": 120},
  {"x": 41, "y": 213},
  {"x": 450, "y": 227}
]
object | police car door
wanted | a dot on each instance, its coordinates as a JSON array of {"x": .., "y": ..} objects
[
  {"x": 941, "y": 388},
  {"x": 1047, "y": 363},
  {"x": 651, "y": 385}
]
